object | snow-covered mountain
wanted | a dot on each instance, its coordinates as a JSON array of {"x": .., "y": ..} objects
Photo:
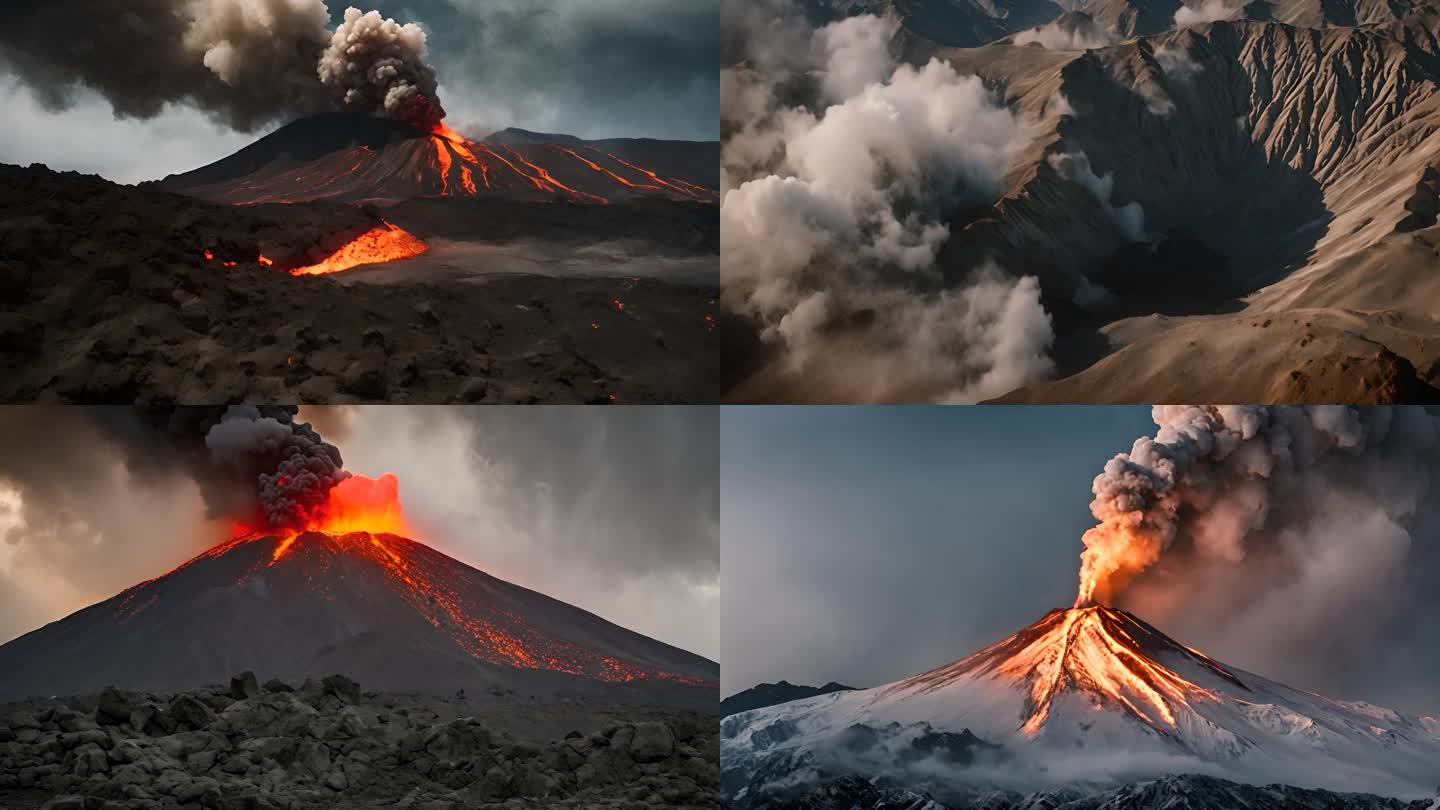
[{"x": 1091, "y": 696}]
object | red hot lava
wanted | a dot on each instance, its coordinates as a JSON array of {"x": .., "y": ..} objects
[{"x": 362, "y": 520}]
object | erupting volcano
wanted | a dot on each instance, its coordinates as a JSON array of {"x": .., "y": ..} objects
[
  {"x": 1099, "y": 682},
  {"x": 355, "y": 158},
  {"x": 347, "y": 592}
]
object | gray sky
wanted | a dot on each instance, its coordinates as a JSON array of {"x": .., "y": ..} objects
[
  {"x": 590, "y": 68},
  {"x": 611, "y": 509},
  {"x": 864, "y": 544}
]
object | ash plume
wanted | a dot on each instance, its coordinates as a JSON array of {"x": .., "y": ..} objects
[
  {"x": 839, "y": 168},
  {"x": 1297, "y": 541},
  {"x": 253, "y": 464},
  {"x": 246, "y": 63},
  {"x": 374, "y": 64}
]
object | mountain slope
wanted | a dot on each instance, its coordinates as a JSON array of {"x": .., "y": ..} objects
[
  {"x": 1093, "y": 691},
  {"x": 348, "y": 157},
  {"x": 387, "y": 610}
]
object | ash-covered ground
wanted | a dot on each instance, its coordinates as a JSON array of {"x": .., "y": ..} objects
[
  {"x": 327, "y": 743},
  {"x": 106, "y": 296}
]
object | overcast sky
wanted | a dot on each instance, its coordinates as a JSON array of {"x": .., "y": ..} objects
[
  {"x": 865, "y": 544},
  {"x": 590, "y": 68},
  {"x": 611, "y": 509}
]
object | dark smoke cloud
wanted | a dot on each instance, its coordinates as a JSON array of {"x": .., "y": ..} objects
[
  {"x": 1298, "y": 542},
  {"x": 254, "y": 464},
  {"x": 247, "y": 63}
]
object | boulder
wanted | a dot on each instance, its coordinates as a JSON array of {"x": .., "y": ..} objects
[
  {"x": 114, "y": 708},
  {"x": 343, "y": 688},
  {"x": 244, "y": 686},
  {"x": 190, "y": 710},
  {"x": 653, "y": 741}
]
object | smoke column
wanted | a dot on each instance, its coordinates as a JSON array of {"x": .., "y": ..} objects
[
  {"x": 254, "y": 464},
  {"x": 1231, "y": 480},
  {"x": 247, "y": 63}
]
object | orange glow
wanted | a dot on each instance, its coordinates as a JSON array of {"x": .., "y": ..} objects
[
  {"x": 361, "y": 521},
  {"x": 467, "y": 180},
  {"x": 266, "y": 262},
  {"x": 209, "y": 256},
  {"x": 534, "y": 181},
  {"x": 545, "y": 177},
  {"x": 386, "y": 243},
  {"x": 456, "y": 140},
  {"x": 443, "y": 156},
  {"x": 683, "y": 188},
  {"x": 597, "y": 167},
  {"x": 1114, "y": 553},
  {"x": 1105, "y": 654}
]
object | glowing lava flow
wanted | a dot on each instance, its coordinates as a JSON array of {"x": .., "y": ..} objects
[
  {"x": 386, "y": 243},
  {"x": 354, "y": 537},
  {"x": 1106, "y": 655}
]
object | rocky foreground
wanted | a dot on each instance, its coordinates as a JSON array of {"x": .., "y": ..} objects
[
  {"x": 106, "y": 295},
  {"x": 327, "y": 744}
]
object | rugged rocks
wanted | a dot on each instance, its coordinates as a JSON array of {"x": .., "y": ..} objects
[
  {"x": 330, "y": 745},
  {"x": 106, "y": 295}
]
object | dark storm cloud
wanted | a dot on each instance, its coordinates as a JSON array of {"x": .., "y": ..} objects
[
  {"x": 247, "y": 70},
  {"x": 632, "y": 490},
  {"x": 862, "y": 545}
]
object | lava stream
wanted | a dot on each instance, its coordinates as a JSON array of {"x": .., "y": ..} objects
[{"x": 385, "y": 243}]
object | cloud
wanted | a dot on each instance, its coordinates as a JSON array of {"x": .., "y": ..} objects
[
  {"x": 1081, "y": 34},
  {"x": 832, "y": 222},
  {"x": 1129, "y": 219},
  {"x": 1207, "y": 11}
]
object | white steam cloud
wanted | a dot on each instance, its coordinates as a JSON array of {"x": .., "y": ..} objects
[
  {"x": 831, "y": 224},
  {"x": 1129, "y": 219},
  {"x": 1207, "y": 11},
  {"x": 1075, "y": 36}
]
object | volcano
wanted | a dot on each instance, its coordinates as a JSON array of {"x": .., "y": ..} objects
[
  {"x": 382, "y": 608},
  {"x": 355, "y": 158},
  {"x": 1090, "y": 687}
]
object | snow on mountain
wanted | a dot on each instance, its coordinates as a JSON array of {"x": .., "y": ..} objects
[{"x": 1092, "y": 695}]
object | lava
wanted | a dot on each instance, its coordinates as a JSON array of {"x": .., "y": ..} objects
[
  {"x": 684, "y": 187},
  {"x": 1114, "y": 553},
  {"x": 385, "y": 243},
  {"x": 360, "y": 527},
  {"x": 601, "y": 169},
  {"x": 1105, "y": 654}
]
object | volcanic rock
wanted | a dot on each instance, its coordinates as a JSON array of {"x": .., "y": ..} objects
[
  {"x": 274, "y": 763},
  {"x": 244, "y": 686},
  {"x": 114, "y": 708}
]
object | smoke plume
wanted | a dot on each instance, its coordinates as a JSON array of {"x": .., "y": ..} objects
[
  {"x": 1298, "y": 541},
  {"x": 1079, "y": 34},
  {"x": 376, "y": 65},
  {"x": 247, "y": 63},
  {"x": 1128, "y": 218},
  {"x": 835, "y": 211}
]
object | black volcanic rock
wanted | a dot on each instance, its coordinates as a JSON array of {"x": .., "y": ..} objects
[
  {"x": 243, "y": 686},
  {"x": 394, "y": 750},
  {"x": 771, "y": 694}
]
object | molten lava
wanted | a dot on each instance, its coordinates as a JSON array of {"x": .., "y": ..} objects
[
  {"x": 1114, "y": 553},
  {"x": 386, "y": 243},
  {"x": 1105, "y": 655},
  {"x": 359, "y": 527}
]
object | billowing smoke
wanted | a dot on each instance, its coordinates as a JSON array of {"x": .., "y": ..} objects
[
  {"x": 247, "y": 63},
  {"x": 254, "y": 465},
  {"x": 293, "y": 468},
  {"x": 835, "y": 212},
  {"x": 374, "y": 64},
  {"x": 1297, "y": 541}
]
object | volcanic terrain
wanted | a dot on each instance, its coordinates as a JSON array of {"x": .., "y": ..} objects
[
  {"x": 1284, "y": 157},
  {"x": 391, "y": 611},
  {"x": 346, "y": 257},
  {"x": 1083, "y": 700}
]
